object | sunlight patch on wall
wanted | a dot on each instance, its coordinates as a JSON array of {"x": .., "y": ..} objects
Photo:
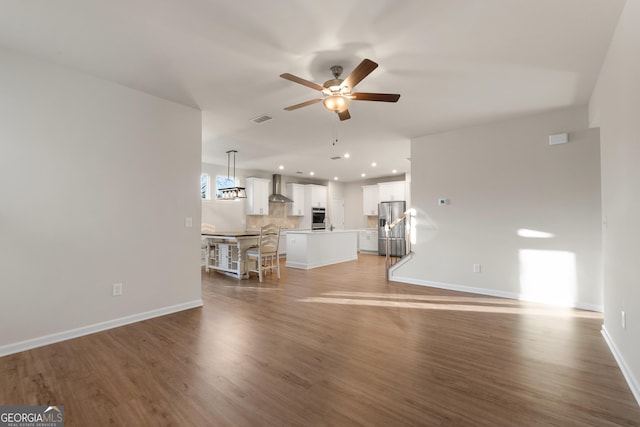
[
  {"x": 548, "y": 276},
  {"x": 413, "y": 231},
  {"x": 535, "y": 234}
]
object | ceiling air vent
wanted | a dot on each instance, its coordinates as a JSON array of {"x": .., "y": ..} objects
[
  {"x": 335, "y": 158},
  {"x": 261, "y": 119}
]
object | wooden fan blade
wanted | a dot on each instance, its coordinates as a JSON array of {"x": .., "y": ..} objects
[
  {"x": 301, "y": 81},
  {"x": 360, "y": 72},
  {"x": 384, "y": 97},
  {"x": 344, "y": 115},
  {"x": 303, "y": 104}
]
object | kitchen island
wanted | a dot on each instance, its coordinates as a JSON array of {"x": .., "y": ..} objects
[
  {"x": 308, "y": 249},
  {"x": 226, "y": 251}
]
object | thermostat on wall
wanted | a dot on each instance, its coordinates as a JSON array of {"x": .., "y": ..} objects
[{"x": 559, "y": 138}]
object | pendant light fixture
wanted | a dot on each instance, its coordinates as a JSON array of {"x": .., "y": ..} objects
[{"x": 232, "y": 193}]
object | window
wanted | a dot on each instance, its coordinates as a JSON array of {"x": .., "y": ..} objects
[
  {"x": 223, "y": 182},
  {"x": 205, "y": 187}
]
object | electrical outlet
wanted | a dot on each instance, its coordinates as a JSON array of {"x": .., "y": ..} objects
[
  {"x": 477, "y": 268},
  {"x": 116, "y": 290},
  {"x": 623, "y": 319}
]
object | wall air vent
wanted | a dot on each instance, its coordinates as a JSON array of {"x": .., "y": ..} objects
[{"x": 261, "y": 119}]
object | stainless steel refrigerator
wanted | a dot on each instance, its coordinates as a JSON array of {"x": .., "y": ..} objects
[{"x": 387, "y": 212}]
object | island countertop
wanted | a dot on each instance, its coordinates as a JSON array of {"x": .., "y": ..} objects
[
  {"x": 320, "y": 231},
  {"x": 232, "y": 234}
]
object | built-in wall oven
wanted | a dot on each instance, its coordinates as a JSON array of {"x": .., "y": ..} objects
[{"x": 317, "y": 218}]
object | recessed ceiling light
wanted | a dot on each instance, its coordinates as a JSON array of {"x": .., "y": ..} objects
[
  {"x": 363, "y": 175},
  {"x": 335, "y": 178},
  {"x": 312, "y": 173},
  {"x": 347, "y": 155},
  {"x": 394, "y": 171},
  {"x": 280, "y": 167},
  {"x": 374, "y": 164}
]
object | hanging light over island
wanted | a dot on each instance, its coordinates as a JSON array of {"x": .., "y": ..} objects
[{"x": 232, "y": 193}]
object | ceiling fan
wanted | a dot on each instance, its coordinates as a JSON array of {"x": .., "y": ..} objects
[{"x": 337, "y": 93}]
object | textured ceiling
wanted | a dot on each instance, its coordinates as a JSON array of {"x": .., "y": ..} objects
[{"x": 455, "y": 62}]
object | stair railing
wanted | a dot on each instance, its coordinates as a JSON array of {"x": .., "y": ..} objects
[{"x": 403, "y": 220}]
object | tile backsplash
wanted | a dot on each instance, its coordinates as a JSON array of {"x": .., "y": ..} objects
[{"x": 277, "y": 215}]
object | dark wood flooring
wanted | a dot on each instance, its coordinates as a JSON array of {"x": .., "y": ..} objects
[{"x": 333, "y": 346}]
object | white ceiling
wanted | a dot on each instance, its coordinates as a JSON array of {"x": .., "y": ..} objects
[{"x": 455, "y": 62}]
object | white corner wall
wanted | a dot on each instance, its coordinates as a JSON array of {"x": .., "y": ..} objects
[
  {"x": 499, "y": 179},
  {"x": 223, "y": 214},
  {"x": 615, "y": 107},
  {"x": 96, "y": 181}
]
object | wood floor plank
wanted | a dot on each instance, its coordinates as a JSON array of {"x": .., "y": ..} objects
[{"x": 333, "y": 346}]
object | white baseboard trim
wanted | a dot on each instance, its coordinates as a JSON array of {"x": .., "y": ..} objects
[
  {"x": 310, "y": 265},
  {"x": 18, "y": 347},
  {"x": 484, "y": 291},
  {"x": 626, "y": 372}
]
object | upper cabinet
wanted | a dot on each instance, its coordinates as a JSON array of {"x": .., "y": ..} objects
[
  {"x": 391, "y": 191},
  {"x": 370, "y": 200},
  {"x": 296, "y": 193},
  {"x": 257, "y": 196},
  {"x": 317, "y": 195}
]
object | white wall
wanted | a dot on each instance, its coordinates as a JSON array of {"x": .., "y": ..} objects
[
  {"x": 353, "y": 217},
  {"x": 500, "y": 178},
  {"x": 223, "y": 214},
  {"x": 95, "y": 183},
  {"x": 615, "y": 107}
]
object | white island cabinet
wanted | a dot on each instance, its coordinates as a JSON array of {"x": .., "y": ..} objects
[{"x": 310, "y": 249}]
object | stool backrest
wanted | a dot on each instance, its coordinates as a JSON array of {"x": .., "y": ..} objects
[{"x": 269, "y": 238}]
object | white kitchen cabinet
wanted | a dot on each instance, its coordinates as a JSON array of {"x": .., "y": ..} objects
[
  {"x": 368, "y": 241},
  {"x": 317, "y": 195},
  {"x": 370, "y": 200},
  {"x": 296, "y": 193},
  {"x": 257, "y": 196},
  {"x": 391, "y": 191}
]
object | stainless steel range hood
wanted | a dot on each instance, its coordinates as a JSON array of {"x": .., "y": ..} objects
[{"x": 277, "y": 195}]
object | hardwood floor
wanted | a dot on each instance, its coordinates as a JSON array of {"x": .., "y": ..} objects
[{"x": 334, "y": 346}]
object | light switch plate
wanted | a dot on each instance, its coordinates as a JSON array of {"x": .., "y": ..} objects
[{"x": 116, "y": 289}]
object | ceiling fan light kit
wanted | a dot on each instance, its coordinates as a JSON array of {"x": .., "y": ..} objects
[
  {"x": 337, "y": 93},
  {"x": 337, "y": 103}
]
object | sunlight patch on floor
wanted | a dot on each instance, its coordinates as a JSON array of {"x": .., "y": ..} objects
[
  {"x": 453, "y": 299},
  {"x": 537, "y": 311}
]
